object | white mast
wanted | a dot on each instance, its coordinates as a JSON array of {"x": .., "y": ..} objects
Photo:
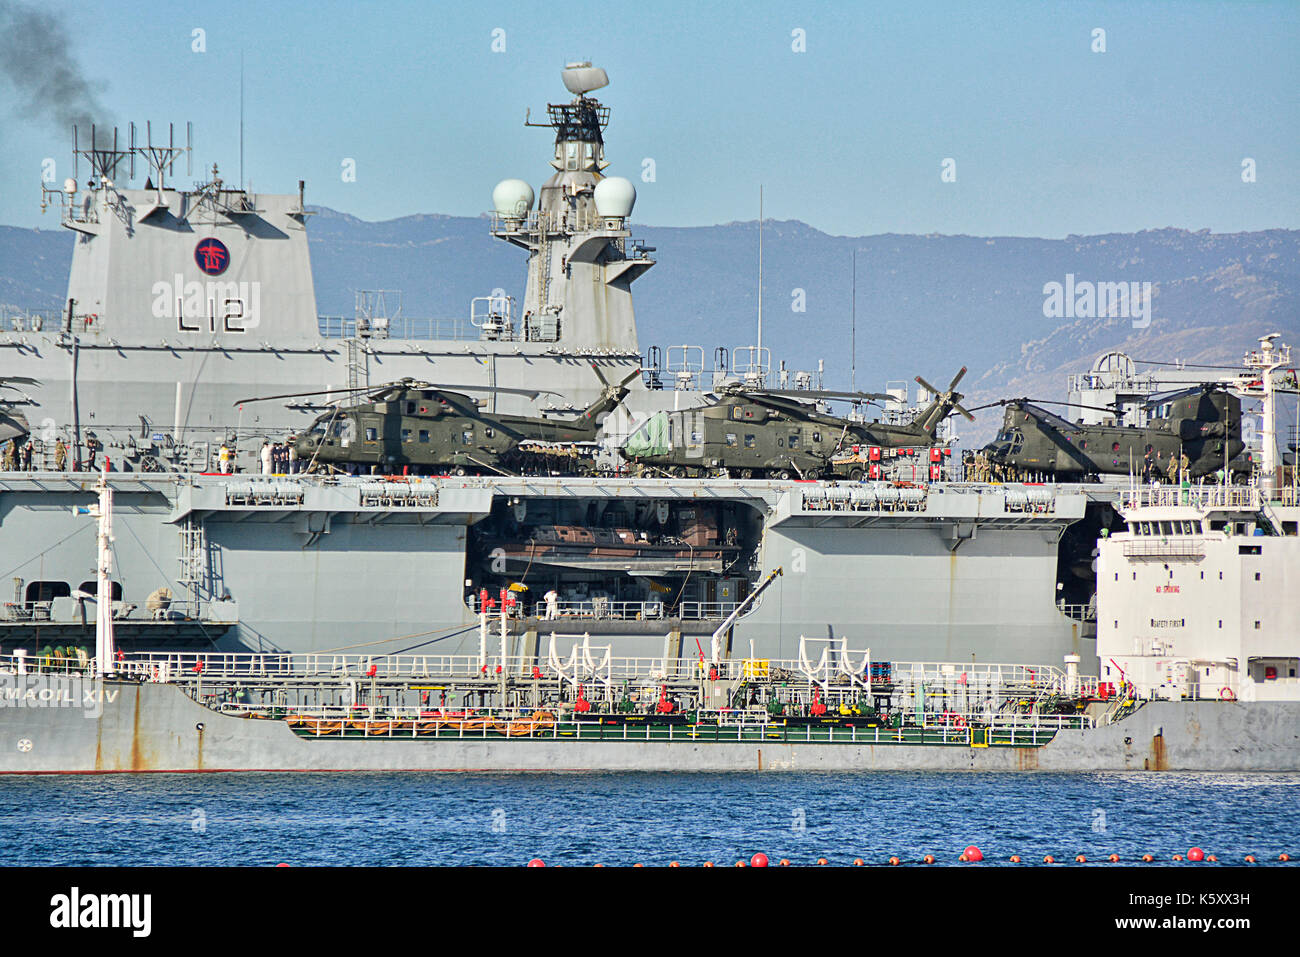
[{"x": 105, "y": 662}]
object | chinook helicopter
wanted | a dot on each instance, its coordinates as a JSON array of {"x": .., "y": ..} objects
[
  {"x": 1196, "y": 430},
  {"x": 755, "y": 433},
  {"x": 424, "y": 428}
]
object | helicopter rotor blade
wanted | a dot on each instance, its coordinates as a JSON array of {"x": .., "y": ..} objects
[
  {"x": 530, "y": 393},
  {"x": 822, "y": 394},
  {"x": 957, "y": 378},
  {"x": 600, "y": 375},
  {"x": 928, "y": 388},
  {"x": 296, "y": 395}
]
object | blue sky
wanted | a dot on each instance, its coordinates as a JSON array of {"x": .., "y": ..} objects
[{"x": 1048, "y": 137}]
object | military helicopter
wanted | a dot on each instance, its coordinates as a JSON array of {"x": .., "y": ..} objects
[
  {"x": 1197, "y": 431},
  {"x": 751, "y": 433},
  {"x": 425, "y": 428}
]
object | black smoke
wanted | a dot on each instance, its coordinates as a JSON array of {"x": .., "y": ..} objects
[{"x": 36, "y": 58}]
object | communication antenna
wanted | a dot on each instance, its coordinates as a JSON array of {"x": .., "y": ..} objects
[
  {"x": 853, "y": 326},
  {"x": 760, "y": 274},
  {"x": 241, "y": 119},
  {"x": 162, "y": 157}
]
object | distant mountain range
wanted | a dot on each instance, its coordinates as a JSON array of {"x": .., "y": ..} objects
[{"x": 925, "y": 304}]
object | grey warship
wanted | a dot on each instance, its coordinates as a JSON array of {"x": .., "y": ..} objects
[{"x": 182, "y": 302}]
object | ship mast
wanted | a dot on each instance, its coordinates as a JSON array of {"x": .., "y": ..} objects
[{"x": 105, "y": 652}]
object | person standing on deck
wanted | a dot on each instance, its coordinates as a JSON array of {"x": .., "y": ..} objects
[
  {"x": 266, "y": 458},
  {"x": 60, "y": 456}
]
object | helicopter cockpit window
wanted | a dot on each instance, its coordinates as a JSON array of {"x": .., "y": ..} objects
[
  {"x": 1017, "y": 440},
  {"x": 345, "y": 430},
  {"x": 794, "y": 441},
  {"x": 372, "y": 435},
  {"x": 737, "y": 412}
]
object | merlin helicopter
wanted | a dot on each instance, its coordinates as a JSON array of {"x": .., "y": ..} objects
[
  {"x": 417, "y": 427},
  {"x": 756, "y": 433},
  {"x": 1196, "y": 431}
]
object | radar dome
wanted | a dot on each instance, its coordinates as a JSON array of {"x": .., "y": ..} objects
[
  {"x": 512, "y": 198},
  {"x": 581, "y": 78},
  {"x": 615, "y": 197}
]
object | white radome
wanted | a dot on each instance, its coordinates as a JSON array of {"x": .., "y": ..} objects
[
  {"x": 512, "y": 198},
  {"x": 615, "y": 197}
]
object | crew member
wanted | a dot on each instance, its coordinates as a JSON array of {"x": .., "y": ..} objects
[
  {"x": 552, "y": 605},
  {"x": 60, "y": 455},
  {"x": 223, "y": 459},
  {"x": 267, "y": 456}
]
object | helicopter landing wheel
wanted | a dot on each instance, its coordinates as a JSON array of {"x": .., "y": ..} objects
[
  {"x": 812, "y": 475},
  {"x": 855, "y": 475},
  {"x": 746, "y": 473},
  {"x": 678, "y": 471},
  {"x": 457, "y": 470},
  {"x": 782, "y": 475}
]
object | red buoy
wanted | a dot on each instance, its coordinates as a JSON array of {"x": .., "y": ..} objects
[
  {"x": 1080, "y": 859},
  {"x": 894, "y": 862},
  {"x": 858, "y": 862},
  {"x": 1284, "y": 857},
  {"x": 708, "y": 863},
  {"x": 758, "y": 860},
  {"x": 1178, "y": 857},
  {"x": 1015, "y": 858},
  {"x": 674, "y": 864},
  {"x": 822, "y": 861},
  {"x": 1196, "y": 854},
  {"x": 974, "y": 854},
  {"x": 1049, "y": 859},
  {"x": 928, "y": 859},
  {"x": 1147, "y": 858},
  {"x": 281, "y": 865},
  {"x": 785, "y": 862},
  {"x": 1250, "y": 858},
  {"x": 1114, "y": 858},
  {"x": 537, "y": 862}
]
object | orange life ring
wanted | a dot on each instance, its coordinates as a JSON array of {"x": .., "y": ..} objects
[
  {"x": 959, "y": 722},
  {"x": 1227, "y": 694}
]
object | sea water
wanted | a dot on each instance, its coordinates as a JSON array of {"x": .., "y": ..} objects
[{"x": 648, "y": 818}]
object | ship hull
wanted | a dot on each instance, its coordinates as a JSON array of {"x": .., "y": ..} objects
[
  {"x": 301, "y": 564},
  {"x": 136, "y": 728}
]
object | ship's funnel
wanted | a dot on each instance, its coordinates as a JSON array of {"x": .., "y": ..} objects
[
  {"x": 582, "y": 78},
  {"x": 615, "y": 197},
  {"x": 512, "y": 198}
]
